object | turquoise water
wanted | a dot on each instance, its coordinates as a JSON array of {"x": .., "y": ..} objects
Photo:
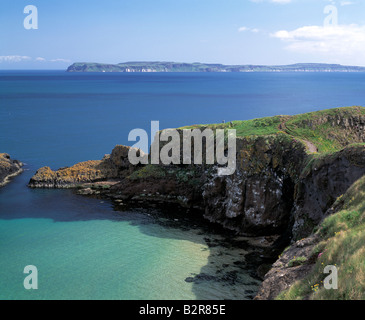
[
  {"x": 84, "y": 248},
  {"x": 98, "y": 259}
]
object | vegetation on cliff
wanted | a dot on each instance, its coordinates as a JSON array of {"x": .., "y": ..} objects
[
  {"x": 340, "y": 242},
  {"x": 329, "y": 130}
]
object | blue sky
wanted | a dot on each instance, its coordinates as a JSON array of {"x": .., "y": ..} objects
[{"x": 212, "y": 31}]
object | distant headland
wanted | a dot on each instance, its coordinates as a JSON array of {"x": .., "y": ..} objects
[{"x": 157, "y": 66}]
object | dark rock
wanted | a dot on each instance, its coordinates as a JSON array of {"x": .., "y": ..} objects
[
  {"x": 202, "y": 277},
  {"x": 283, "y": 274},
  {"x": 258, "y": 198},
  {"x": 230, "y": 277},
  {"x": 318, "y": 189}
]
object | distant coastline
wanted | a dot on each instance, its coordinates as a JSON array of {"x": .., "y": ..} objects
[{"x": 204, "y": 67}]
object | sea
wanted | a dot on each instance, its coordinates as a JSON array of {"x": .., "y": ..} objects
[{"x": 87, "y": 248}]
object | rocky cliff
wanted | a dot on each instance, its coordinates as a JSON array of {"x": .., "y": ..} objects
[
  {"x": 8, "y": 168},
  {"x": 338, "y": 241},
  {"x": 323, "y": 180},
  {"x": 281, "y": 186},
  {"x": 278, "y": 186}
]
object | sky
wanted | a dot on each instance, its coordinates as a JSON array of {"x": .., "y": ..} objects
[{"x": 269, "y": 32}]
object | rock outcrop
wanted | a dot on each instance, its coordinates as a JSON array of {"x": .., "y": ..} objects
[
  {"x": 292, "y": 265},
  {"x": 258, "y": 198},
  {"x": 8, "y": 168},
  {"x": 112, "y": 167}
]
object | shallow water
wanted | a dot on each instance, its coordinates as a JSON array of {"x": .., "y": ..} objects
[{"x": 83, "y": 249}]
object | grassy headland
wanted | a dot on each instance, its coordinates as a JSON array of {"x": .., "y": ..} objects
[{"x": 325, "y": 129}]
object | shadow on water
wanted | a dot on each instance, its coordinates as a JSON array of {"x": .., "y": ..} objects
[{"x": 232, "y": 261}]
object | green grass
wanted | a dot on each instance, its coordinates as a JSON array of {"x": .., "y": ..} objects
[
  {"x": 319, "y": 128},
  {"x": 148, "y": 171},
  {"x": 342, "y": 245},
  {"x": 352, "y": 151},
  {"x": 262, "y": 126},
  {"x": 297, "y": 261}
]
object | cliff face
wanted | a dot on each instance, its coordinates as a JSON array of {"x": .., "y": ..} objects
[
  {"x": 8, "y": 168},
  {"x": 321, "y": 183},
  {"x": 280, "y": 187},
  {"x": 291, "y": 266},
  {"x": 258, "y": 198},
  {"x": 337, "y": 241}
]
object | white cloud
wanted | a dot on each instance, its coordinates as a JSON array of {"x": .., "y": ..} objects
[
  {"x": 243, "y": 29},
  {"x": 273, "y": 1},
  {"x": 19, "y": 58},
  {"x": 60, "y": 60},
  {"x": 14, "y": 58},
  {"x": 346, "y": 3},
  {"x": 281, "y": 1},
  {"x": 336, "y": 40}
]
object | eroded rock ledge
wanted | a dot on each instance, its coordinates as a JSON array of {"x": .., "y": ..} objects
[
  {"x": 112, "y": 167},
  {"x": 8, "y": 168}
]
